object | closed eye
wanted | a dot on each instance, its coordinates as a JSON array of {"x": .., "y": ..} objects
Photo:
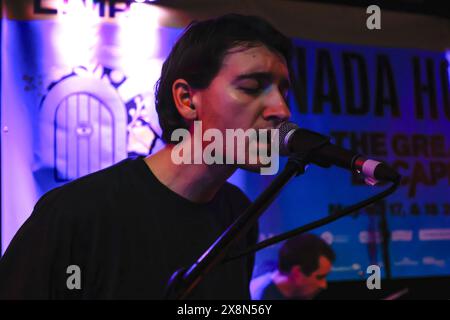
[
  {"x": 252, "y": 91},
  {"x": 255, "y": 83},
  {"x": 252, "y": 86}
]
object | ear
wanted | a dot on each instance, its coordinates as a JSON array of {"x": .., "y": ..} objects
[
  {"x": 182, "y": 96},
  {"x": 296, "y": 271}
]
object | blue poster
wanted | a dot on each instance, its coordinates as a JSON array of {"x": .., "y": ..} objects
[{"x": 391, "y": 105}]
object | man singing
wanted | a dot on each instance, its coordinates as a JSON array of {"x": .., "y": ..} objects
[{"x": 121, "y": 233}]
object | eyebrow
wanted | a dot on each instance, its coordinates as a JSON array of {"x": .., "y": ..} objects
[{"x": 263, "y": 76}]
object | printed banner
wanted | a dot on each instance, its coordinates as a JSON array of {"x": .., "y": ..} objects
[
  {"x": 77, "y": 96},
  {"x": 391, "y": 105}
]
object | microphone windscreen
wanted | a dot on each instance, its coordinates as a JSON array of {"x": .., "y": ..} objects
[{"x": 284, "y": 129}]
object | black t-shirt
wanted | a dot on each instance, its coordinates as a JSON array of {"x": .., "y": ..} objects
[{"x": 127, "y": 233}]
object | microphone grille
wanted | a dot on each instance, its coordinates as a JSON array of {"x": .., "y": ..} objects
[{"x": 284, "y": 133}]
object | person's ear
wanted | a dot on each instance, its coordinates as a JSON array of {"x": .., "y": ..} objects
[
  {"x": 296, "y": 271},
  {"x": 182, "y": 96}
]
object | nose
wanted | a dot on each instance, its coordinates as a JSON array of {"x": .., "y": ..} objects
[{"x": 276, "y": 108}]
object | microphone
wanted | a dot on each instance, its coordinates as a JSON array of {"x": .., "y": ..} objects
[{"x": 319, "y": 150}]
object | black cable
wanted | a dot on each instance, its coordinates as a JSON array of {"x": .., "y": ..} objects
[{"x": 316, "y": 224}]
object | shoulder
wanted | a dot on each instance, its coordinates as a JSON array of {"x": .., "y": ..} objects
[
  {"x": 92, "y": 192},
  {"x": 236, "y": 195}
]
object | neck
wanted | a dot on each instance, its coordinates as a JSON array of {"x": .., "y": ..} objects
[
  {"x": 195, "y": 182},
  {"x": 283, "y": 284}
]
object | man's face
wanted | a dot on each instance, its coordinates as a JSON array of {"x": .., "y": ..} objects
[
  {"x": 249, "y": 91},
  {"x": 307, "y": 287}
]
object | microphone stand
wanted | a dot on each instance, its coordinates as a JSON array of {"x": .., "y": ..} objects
[{"x": 183, "y": 281}]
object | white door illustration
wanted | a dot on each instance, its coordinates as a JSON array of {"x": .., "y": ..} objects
[{"x": 82, "y": 127}]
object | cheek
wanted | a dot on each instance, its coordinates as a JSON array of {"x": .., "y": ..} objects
[
  {"x": 238, "y": 101},
  {"x": 311, "y": 282},
  {"x": 246, "y": 110},
  {"x": 228, "y": 108},
  {"x": 213, "y": 113}
]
